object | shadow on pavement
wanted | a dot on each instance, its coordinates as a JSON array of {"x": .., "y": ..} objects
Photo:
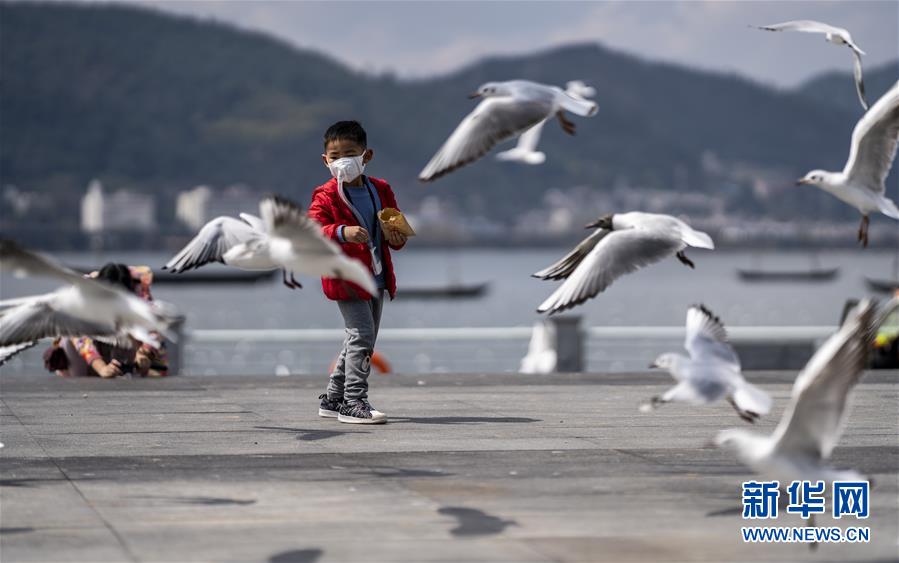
[
  {"x": 461, "y": 420},
  {"x": 474, "y": 522},
  {"x": 297, "y": 556},
  {"x": 309, "y": 435}
]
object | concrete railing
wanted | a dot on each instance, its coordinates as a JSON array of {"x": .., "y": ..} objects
[{"x": 760, "y": 347}]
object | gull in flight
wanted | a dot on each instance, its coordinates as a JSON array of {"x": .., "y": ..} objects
[
  {"x": 835, "y": 35},
  {"x": 83, "y": 307},
  {"x": 526, "y": 150},
  {"x": 240, "y": 243},
  {"x": 711, "y": 372},
  {"x": 871, "y": 154},
  {"x": 813, "y": 421},
  {"x": 621, "y": 244},
  {"x": 507, "y": 110},
  {"x": 297, "y": 244}
]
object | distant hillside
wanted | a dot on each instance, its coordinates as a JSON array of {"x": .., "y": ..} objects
[
  {"x": 838, "y": 88},
  {"x": 162, "y": 103}
]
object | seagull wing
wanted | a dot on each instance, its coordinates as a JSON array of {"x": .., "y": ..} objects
[
  {"x": 706, "y": 339},
  {"x": 285, "y": 219},
  {"x": 38, "y": 320},
  {"x": 253, "y": 221},
  {"x": 212, "y": 242},
  {"x": 805, "y": 26},
  {"x": 859, "y": 82},
  {"x": 19, "y": 260},
  {"x": 620, "y": 252},
  {"x": 493, "y": 120},
  {"x": 813, "y": 422},
  {"x": 529, "y": 139},
  {"x": 874, "y": 142},
  {"x": 563, "y": 268},
  {"x": 8, "y": 352}
]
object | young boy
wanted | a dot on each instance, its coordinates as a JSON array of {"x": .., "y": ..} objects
[{"x": 347, "y": 207}]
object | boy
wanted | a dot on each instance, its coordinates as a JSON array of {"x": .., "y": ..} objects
[{"x": 347, "y": 207}]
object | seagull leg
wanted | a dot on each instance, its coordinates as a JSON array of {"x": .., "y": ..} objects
[
  {"x": 296, "y": 284},
  {"x": 684, "y": 260},
  {"x": 811, "y": 524},
  {"x": 863, "y": 231},
  {"x": 747, "y": 416},
  {"x": 567, "y": 126}
]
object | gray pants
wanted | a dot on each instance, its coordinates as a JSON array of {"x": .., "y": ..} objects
[{"x": 349, "y": 381}]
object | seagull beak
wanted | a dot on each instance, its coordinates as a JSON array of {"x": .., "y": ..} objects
[
  {"x": 593, "y": 225},
  {"x": 653, "y": 365},
  {"x": 801, "y": 182},
  {"x": 474, "y": 95}
]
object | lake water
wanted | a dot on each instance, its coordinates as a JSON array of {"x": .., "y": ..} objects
[{"x": 656, "y": 296}]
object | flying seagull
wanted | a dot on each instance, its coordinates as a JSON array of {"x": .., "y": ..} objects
[
  {"x": 240, "y": 243},
  {"x": 837, "y": 36},
  {"x": 526, "y": 150},
  {"x": 622, "y": 243},
  {"x": 508, "y": 109},
  {"x": 871, "y": 154},
  {"x": 813, "y": 422},
  {"x": 297, "y": 244},
  {"x": 711, "y": 372},
  {"x": 85, "y": 306}
]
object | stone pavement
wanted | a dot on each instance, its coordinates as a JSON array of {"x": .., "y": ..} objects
[{"x": 494, "y": 467}]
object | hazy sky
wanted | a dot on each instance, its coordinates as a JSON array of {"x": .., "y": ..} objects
[{"x": 424, "y": 38}]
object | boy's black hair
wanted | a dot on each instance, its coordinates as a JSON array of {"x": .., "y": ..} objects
[
  {"x": 347, "y": 130},
  {"x": 116, "y": 274}
]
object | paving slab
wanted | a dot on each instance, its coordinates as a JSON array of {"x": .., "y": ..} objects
[{"x": 471, "y": 467}]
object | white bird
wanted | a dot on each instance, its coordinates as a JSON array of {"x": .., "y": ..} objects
[
  {"x": 811, "y": 426},
  {"x": 623, "y": 243},
  {"x": 835, "y": 35},
  {"x": 241, "y": 243},
  {"x": 871, "y": 154},
  {"x": 297, "y": 244},
  {"x": 526, "y": 150},
  {"x": 508, "y": 109},
  {"x": 85, "y": 306},
  {"x": 711, "y": 372},
  {"x": 541, "y": 356}
]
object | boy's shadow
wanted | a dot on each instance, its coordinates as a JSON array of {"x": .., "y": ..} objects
[
  {"x": 310, "y": 435},
  {"x": 461, "y": 419}
]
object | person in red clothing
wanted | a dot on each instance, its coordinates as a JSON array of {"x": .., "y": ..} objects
[{"x": 347, "y": 207}]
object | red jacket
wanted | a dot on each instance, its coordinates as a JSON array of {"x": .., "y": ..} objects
[{"x": 330, "y": 208}]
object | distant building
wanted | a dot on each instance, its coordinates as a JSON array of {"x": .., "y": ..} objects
[
  {"x": 197, "y": 206},
  {"x": 122, "y": 210}
]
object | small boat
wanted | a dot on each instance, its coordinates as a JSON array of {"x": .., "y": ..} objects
[
  {"x": 214, "y": 276},
  {"x": 449, "y": 291},
  {"x": 809, "y": 275},
  {"x": 882, "y": 286}
]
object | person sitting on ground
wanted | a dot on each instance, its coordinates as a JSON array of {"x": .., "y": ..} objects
[{"x": 87, "y": 356}]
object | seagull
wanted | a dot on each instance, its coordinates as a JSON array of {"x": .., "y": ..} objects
[
  {"x": 813, "y": 422},
  {"x": 240, "y": 243},
  {"x": 835, "y": 35},
  {"x": 507, "y": 110},
  {"x": 297, "y": 244},
  {"x": 711, "y": 372},
  {"x": 85, "y": 306},
  {"x": 871, "y": 154},
  {"x": 525, "y": 151},
  {"x": 622, "y": 243}
]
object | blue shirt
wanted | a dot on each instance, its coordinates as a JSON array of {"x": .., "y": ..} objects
[{"x": 366, "y": 209}]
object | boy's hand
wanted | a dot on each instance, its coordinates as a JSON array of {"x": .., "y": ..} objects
[
  {"x": 355, "y": 234},
  {"x": 143, "y": 363},
  {"x": 395, "y": 238}
]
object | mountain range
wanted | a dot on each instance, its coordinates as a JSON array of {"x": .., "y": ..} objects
[{"x": 160, "y": 103}]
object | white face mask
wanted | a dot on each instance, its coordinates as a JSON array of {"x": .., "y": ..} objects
[{"x": 348, "y": 168}]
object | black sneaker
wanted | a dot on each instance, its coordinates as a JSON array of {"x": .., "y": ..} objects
[
  {"x": 329, "y": 408},
  {"x": 360, "y": 411}
]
